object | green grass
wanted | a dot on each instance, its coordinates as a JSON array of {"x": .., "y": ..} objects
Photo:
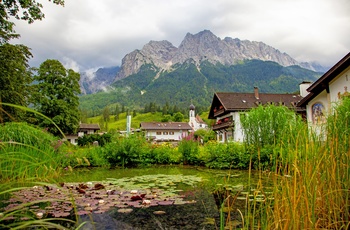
[{"x": 120, "y": 124}]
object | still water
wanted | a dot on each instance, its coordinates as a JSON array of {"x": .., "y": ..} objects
[{"x": 196, "y": 209}]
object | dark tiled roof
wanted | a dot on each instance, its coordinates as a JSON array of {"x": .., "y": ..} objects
[
  {"x": 232, "y": 102},
  {"x": 323, "y": 82},
  {"x": 165, "y": 126},
  {"x": 89, "y": 126}
]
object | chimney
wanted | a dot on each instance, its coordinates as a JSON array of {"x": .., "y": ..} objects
[
  {"x": 303, "y": 88},
  {"x": 256, "y": 92}
]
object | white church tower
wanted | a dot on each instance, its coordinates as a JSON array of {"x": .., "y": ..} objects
[
  {"x": 192, "y": 114},
  {"x": 195, "y": 121}
]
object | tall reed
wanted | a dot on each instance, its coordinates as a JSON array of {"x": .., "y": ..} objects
[
  {"x": 311, "y": 174},
  {"x": 313, "y": 192},
  {"x": 27, "y": 153}
]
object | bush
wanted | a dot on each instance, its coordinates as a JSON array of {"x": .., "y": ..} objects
[
  {"x": 165, "y": 154},
  {"x": 227, "y": 155},
  {"x": 80, "y": 157},
  {"x": 128, "y": 152},
  {"x": 190, "y": 152},
  {"x": 271, "y": 125},
  {"x": 89, "y": 139},
  {"x": 205, "y": 135}
]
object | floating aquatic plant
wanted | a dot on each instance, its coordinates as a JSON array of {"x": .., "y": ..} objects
[{"x": 97, "y": 197}]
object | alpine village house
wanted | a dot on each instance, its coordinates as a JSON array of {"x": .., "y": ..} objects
[
  {"x": 227, "y": 108},
  {"x": 173, "y": 131},
  {"x": 326, "y": 92},
  {"x": 314, "y": 102},
  {"x": 84, "y": 129}
]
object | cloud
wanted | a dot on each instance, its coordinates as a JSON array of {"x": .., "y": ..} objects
[
  {"x": 70, "y": 64},
  {"x": 100, "y": 33}
]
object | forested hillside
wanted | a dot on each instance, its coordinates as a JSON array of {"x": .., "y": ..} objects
[{"x": 186, "y": 83}]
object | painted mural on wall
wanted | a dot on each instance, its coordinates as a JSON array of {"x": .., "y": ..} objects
[{"x": 318, "y": 116}]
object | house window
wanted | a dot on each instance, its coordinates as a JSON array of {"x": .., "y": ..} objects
[
  {"x": 165, "y": 133},
  {"x": 171, "y": 133},
  {"x": 318, "y": 116},
  {"x": 159, "y": 133}
]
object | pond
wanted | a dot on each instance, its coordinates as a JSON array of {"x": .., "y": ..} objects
[{"x": 163, "y": 197}]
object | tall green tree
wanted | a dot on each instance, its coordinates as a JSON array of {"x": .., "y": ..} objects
[
  {"x": 27, "y": 10},
  {"x": 116, "y": 117},
  {"x": 106, "y": 113},
  {"x": 178, "y": 117},
  {"x": 15, "y": 77},
  {"x": 56, "y": 96}
]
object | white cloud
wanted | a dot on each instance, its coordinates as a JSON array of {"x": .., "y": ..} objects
[
  {"x": 100, "y": 33},
  {"x": 70, "y": 64}
]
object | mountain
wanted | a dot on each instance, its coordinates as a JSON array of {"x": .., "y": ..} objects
[
  {"x": 203, "y": 46},
  {"x": 92, "y": 82},
  {"x": 202, "y": 65},
  {"x": 188, "y": 83}
]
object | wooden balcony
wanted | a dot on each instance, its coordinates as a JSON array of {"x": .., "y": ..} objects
[
  {"x": 219, "y": 112},
  {"x": 223, "y": 125}
]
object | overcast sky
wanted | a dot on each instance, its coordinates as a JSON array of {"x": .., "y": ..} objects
[{"x": 88, "y": 34}]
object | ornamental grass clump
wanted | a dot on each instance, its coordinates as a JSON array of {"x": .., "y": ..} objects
[
  {"x": 27, "y": 153},
  {"x": 313, "y": 190}
]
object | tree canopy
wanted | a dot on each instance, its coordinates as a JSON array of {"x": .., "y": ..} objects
[
  {"x": 27, "y": 10},
  {"x": 56, "y": 96},
  {"x": 15, "y": 77}
]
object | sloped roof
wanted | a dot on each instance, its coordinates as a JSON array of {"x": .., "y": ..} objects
[
  {"x": 89, "y": 126},
  {"x": 323, "y": 82},
  {"x": 199, "y": 119},
  {"x": 232, "y": 102},
  {"x": 165, "y": 126}
]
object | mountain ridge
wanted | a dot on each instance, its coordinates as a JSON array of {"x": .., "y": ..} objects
[
  {"x": 197, "y": 48},
  {"x": 203, "y": 46}
]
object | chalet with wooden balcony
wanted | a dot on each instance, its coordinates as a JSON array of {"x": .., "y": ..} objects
[{"x": 227, "y": 109}]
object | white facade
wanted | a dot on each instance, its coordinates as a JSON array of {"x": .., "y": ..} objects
[
  {"x": 169, "y": 135},
  {"x": 165, "y": 131},
  {"x": 234, "y": 133},
  {"x": 195, "y": 121},
  {"x": 326, "y": 92}
]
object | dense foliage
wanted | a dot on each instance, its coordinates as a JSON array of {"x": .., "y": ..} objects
[
  {"x": 197, "y": 84},
  {"x": 270, "y": 125},
  {"x": 15, "y": 77},
  {"x": 101, "y": 140},
  {"x": 27, "y": 10},
  {"x": 27, "y": 153},
  {"x": 56, "y": 97}
]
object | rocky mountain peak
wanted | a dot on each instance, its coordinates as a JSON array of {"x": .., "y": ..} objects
[
  {"x": 160, "y": 52},
  {"x": 203, "y": 46}
]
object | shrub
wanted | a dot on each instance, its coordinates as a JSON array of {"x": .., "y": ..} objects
[
  {"x": 165, "y": 154},
  {"x": 89, "y": 139},
  {"x": 270, "y": 125},
  {"x": 190, "y": 152},
  {"x": 128, "y": 151},
  {"x": 227, "y": 155}
]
